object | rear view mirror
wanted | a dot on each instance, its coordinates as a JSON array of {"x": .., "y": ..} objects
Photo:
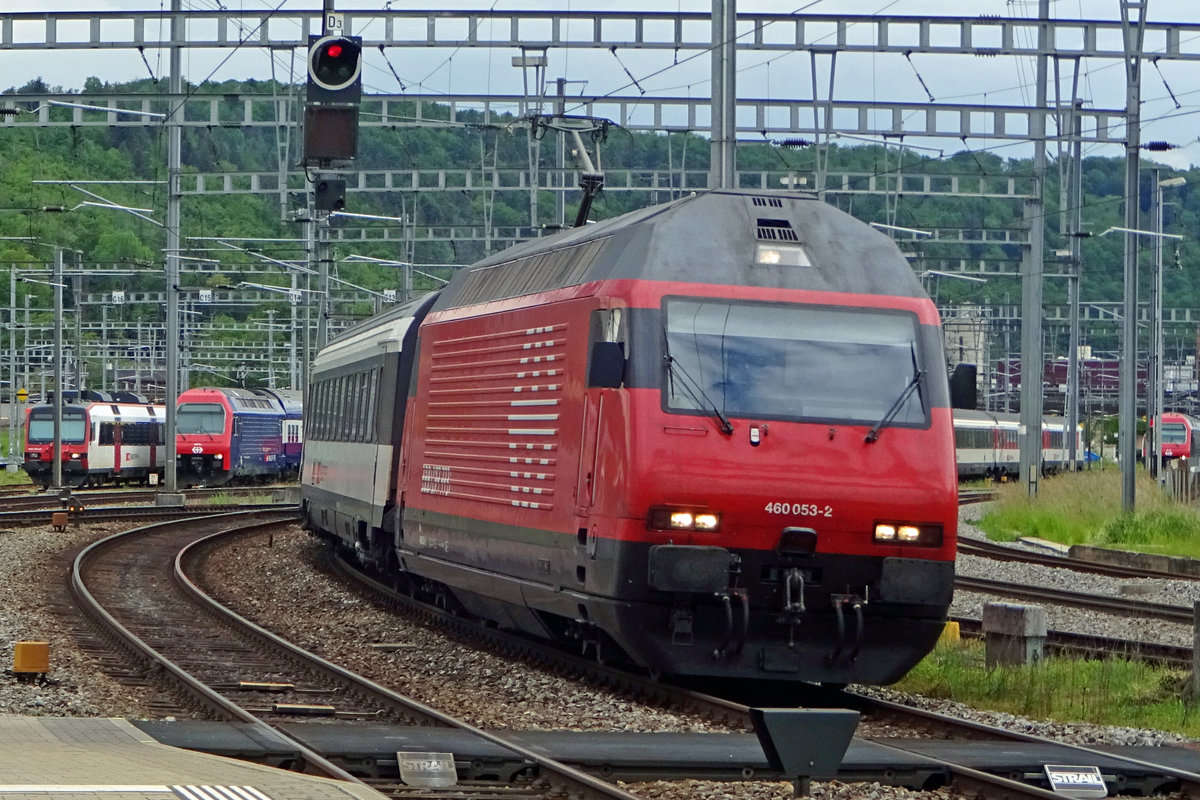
[{"x": 606, "y": 366}]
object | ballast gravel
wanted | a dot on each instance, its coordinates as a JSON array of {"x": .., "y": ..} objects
[{"x": 278, "y": 582}]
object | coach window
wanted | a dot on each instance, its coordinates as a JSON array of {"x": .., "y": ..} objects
[
  {"x": 372, "y": 405},
  {"x": 319, "y": 416},
  {"x": 327, "y": 409},
  {"x": 353, "y": 420},
  {"x": 340, "y": 408},
  {"x": 364, "y": 403}
]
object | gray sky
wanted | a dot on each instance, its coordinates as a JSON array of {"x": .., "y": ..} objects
[{"x": 661, "y": 73}]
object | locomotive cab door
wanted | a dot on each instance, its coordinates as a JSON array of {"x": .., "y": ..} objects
[{"x": 605, "y": 371}]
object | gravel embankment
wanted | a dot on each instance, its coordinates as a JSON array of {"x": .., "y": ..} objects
[{"x": 280, "y": 585}]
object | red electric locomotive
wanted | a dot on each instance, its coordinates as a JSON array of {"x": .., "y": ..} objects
[
  {"x": 228, "y": 434},
  {"x": 711, "y": 438}
]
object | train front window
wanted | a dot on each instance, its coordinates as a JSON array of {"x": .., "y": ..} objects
[
  {"x": 1174, "y": 433},
  {"x": 200, "y": 418},
  {"x": 762, "y": 360},
  {"x": 41, "y": 426}
]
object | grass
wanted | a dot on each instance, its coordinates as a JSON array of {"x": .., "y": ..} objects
[
  {"x": 1101, "y": 692},
  {"x": 1080, "y": 508},
  {"x": 1085, "y": 508},
  {"x": 224, "y": 499},
  {"x": 18, "y": 478}
]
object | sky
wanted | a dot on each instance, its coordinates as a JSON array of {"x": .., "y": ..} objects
[{"x": 1170, "y": 90}]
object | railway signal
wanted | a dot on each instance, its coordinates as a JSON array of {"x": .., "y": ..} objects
[
  {"x": 334, "y": 92},
  {"x": 329, "y": 194},
  {"x": 335, "y": 70}
]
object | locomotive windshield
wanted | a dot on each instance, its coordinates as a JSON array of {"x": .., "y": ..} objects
[
  {"x": 791, "y": 362},
  {"x": 200, "y": 418},
  {"x": 1174, "y": 433},
  {"x": 41, "y": 425}
]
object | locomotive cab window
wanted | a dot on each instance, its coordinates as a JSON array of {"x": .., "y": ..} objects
[
  {"x": 774, "y": 361},
  {"x": 41, "y": 425},
  {"x": 1174, "y": 433},
  {"x": 200, "y": 418}
]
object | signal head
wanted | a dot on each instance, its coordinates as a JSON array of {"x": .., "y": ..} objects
[{"x": 334, "y": 69}]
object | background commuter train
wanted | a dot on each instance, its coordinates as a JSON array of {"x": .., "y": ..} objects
[
  {"x": 104, "y": 440},
  {"x": 986, "y": 444},
  {"x": 711, "y": 438},
  {"x": 1178, "y": 436},
  {"x": 238, "y": 435}
]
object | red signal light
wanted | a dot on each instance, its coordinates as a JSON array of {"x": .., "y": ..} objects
[{"x": 334, "y": 69}]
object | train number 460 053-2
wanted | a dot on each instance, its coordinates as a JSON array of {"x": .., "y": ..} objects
[{"x": 802, "y": 509}]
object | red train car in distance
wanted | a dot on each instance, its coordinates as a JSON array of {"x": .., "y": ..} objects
[
  {"x": 102, "y": 442},
  {"x": 240, "y": 435},
  {"x": 1178, "y": 435}
]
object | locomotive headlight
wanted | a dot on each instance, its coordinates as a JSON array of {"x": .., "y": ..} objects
[
  {"x": 907, "y": 533},
  {"x": 681, "y": 520},
  {"x": 218, "y": 457},
  {"x": 75, "y": 456},
  {"x": 781, "y": 255},
  {"x": 669, "y": 518}
]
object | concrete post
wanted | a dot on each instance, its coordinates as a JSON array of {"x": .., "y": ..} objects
[{"x": 1013, "y": 634}]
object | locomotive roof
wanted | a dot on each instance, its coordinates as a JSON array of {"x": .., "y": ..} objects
[{"x": 703, "y": 238}]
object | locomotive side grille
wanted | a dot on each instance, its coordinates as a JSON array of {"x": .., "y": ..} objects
[
  {"x": 551, "y": 270},
  {"x": 776, "y": 230},
  {"x": 773, "y": 202},
  {"x": 493, "y": 419}
]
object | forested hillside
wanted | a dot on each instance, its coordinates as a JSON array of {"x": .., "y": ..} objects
[{"x": 106, "y": 238}]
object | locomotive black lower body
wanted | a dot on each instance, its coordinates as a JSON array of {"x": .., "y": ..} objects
[
  {"x": 202, "y": 470},
  {"x": 679, "y": 611},
  {"x": 41, "y": 473}
]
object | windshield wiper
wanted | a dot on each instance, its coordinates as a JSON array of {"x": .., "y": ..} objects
[
  {"x": 694, "y": 388},
  {"x": 873, "y": 434}
]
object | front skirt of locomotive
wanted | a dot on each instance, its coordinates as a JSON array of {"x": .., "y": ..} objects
[
  {"x": 42, "y": 472},
  {"x": 834, "y": 619},
  {"x": 201, "y": 470}
]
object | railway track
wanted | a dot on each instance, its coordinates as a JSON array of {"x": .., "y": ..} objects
[
  {"x": 46, "y": 516},
  {"x": 734, "y": 709},
  {"x": 1122, "y": 606},
  {"x": 1003, "y": 552},
  {"x": 31, "y": 500},
  {"x": 136, "y": 587},
  {"x": 964, "y": 779}
]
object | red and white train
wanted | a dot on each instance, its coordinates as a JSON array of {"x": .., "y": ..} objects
[
  {"x": 1179, "y": 433},
  {"x": 986, "y": 444},
  {"x": 103, "y": 441},
  {"x": 710, "y": 438}
]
